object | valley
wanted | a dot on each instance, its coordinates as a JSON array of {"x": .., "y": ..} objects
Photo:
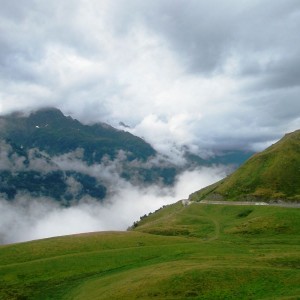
[
  {"x": 235, "y": 239},
  {"x": 49, "y": 154}
]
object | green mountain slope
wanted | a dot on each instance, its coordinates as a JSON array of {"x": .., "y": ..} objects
[
  {"x": 29, "y": 145},
  {"x": 51, "y": 131},
  {"x": 180, "y": 252},
  {"x": 271, "y": 175}
]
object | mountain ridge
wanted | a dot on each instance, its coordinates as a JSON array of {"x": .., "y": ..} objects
[{"x": 48, "y": 129}]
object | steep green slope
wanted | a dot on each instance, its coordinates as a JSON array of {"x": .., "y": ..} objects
[
  {"x": 215, "y": 252},
  {"x": 273, "y": 174}
]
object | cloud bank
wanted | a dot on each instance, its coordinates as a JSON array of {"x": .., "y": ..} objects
[
  {"x": 208, "y": 75},
  {"x": 33, "y": 216},
  {"x": 27, "y": 218}
]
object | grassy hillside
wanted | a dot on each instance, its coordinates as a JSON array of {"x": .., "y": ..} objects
[
  {"x": 194, "y": 252},
  {"x": 273, "y": 174}
]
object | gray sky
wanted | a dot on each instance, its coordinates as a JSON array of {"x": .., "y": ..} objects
[{"x": 208, "y": 74}]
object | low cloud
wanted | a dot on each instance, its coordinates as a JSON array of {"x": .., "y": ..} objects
[{"x": 26, "y": 218}]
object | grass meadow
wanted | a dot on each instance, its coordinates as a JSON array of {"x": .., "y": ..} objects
[{"x": 195, "y": 252}]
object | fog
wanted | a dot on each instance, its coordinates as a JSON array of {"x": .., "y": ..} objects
[{"x": 26, "y": 218}]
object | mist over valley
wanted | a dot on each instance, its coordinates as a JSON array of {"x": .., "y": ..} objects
[{"x": 59, "y": 176}]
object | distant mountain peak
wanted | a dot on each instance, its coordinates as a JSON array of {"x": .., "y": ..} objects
[
  {"x": 48, "y": 109},
  {"x": 50, "y": 130},
  {"x": 122, "y": 124}
]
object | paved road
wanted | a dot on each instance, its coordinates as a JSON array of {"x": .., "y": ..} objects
[{"x": 291, "y": 205}]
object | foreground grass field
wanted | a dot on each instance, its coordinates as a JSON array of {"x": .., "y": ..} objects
[{"x": 194, "y": 252}]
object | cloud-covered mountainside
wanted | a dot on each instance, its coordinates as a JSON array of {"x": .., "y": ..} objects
[
  {"x": 55, "y": 170},
  {"x": 49, "y": 154},
  {"x": 272, "y": 175}
]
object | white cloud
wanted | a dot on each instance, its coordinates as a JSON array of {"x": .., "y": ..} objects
[
  {"x": 27, "y": 218},
  {"x": 203, "y": 75}
]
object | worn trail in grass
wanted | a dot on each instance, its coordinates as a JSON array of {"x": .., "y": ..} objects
[{"x": 193, "y": 252}]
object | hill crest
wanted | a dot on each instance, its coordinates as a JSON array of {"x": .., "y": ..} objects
[{"x": 272, "y": 175}]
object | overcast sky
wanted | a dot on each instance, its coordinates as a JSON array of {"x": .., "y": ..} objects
[{"x": 207, "y": 74}]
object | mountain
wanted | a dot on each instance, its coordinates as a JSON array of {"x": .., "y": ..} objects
[
  {"x": 52, "y": 155},
  {"x": 226, "y": 157},
  {"x": 49, "y": 130},
  {"x": 49, "y": 154},
  {"x": 271, "y": 175}
]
